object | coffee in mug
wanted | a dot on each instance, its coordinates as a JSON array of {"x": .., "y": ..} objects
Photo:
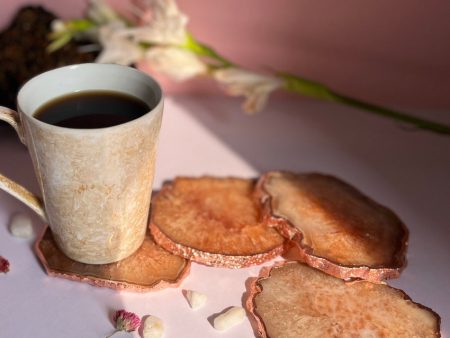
[{"x": 92, "y": 109}]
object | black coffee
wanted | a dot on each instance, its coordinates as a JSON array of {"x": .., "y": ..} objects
[{"x": 91, "y": 109}]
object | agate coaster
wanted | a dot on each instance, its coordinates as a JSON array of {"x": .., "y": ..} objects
[{"x": 150, "y": 268}]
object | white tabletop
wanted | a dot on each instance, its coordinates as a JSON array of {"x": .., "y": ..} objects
[{"x": 405, "y": 170}]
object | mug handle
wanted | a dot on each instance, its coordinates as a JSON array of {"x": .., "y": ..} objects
[{"x": 31, "y": 200}]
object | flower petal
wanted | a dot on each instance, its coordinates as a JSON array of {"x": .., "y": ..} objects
[
  {"x": 177, "y": 63},
  {"x": 117, "y": 47},
  {"x": 101, "y": 13},
  {"x": 255, "y": 87},
  {"x": 161, "y": 23}
]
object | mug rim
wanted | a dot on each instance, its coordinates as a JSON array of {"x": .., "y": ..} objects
[{"x": 153, "y": 83}]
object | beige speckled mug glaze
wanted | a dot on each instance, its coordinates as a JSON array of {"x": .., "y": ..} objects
[{"x": 95, "y": 183}]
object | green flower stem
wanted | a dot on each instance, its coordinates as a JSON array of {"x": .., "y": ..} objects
[
  {"x": 316, "y": 90},
  {"x": 72, "y": 28},
  {"x": 80, "y": 25},
  {"x": 59, "y": 41},
  {"x": 113, "y": 333},
  {"x": 203, "y": 50}
]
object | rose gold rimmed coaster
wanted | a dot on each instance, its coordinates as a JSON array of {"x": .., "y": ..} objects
[{"x": 149, "y": 268}]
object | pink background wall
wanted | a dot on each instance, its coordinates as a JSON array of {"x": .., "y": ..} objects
[{"x": 391, "y": 52}]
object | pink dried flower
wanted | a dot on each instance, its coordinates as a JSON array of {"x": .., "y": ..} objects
[
  {"x": 4, "y": 265},
  {"x": 125, "y": 321}
]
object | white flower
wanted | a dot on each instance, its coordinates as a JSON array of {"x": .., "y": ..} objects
[
  {"x": 161, "y": 23},
  {"x": 117, "y": 48},
  {"x": 177, "y": 63},
  {"x": 255, "y": 87},
  {"x": 101, "y": 13}
]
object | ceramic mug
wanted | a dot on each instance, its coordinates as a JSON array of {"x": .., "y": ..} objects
[{"x": 95, "y": 183}]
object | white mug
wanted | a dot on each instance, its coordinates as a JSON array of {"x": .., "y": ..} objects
[{"x": 95, "y": 183}]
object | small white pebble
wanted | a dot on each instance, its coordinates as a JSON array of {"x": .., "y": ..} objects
[
  {"x": 21, "y": 226},
  {"x": 230, "y": 318},
  {"x": 153, "y": 327},
  {"x": 195, "y": 299}
]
